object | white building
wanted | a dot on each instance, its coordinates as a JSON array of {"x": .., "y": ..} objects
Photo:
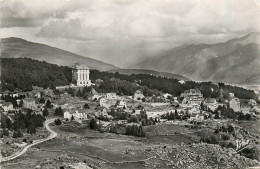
[
  {"x": 29, "y": 103},
  {"x": 103, "y": 102},
  {"x": 235, "y": 104},
  {"x": 121, "y": 104},
  {"x": 252, "y": 102},
  {"x": 78, "y": 115},
  {"x": 80, "y": 73},
  {"x": 111, "y": 96},
  {"x": 196, "y": 117},
  {"x": 192, "y": 98},
  {"x": 166, "y": 95},
  {"x": 138, "y": 95},
  {"x": 7, "y": 106},
  {"x": 211, "y": 103}
]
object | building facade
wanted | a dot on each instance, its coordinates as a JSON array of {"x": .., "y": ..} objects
[
  {"x": 192, "y": 98},
  {"x": 29, "y": 103},
  {"x": 211, "y": 103},
  {"x": 235, "y": 104},
  {"x": 7, "y": 106},
  {"x": 80, "y": 74},
  {"x": 138, "y": 95}
]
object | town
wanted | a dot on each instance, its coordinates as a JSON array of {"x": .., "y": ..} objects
[{"x": 184, "y": 119}]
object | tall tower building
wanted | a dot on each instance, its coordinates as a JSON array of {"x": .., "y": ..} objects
[{"x": 80, "y": 74}]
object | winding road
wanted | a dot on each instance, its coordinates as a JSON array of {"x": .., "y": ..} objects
[{"x": 35, "y": 142}]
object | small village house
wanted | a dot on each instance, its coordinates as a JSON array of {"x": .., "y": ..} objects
[
  {"x": 252, "y": 102},
  {"x": 78, "y": 115},
  {"x": 111, "y": 96},
  {"x": 103, "y": 102},
  {"x": 121, "y": 104},
  {"x": 234, "y": 104},
  {"x": 138, "y": 95},
  {"x": 29, "y": 103},
  {"x": 101, "y": 111},
  {"x": 211, "y": 104},
  {"x": 7, "y": 106},
  {"x": 196, "y": 117}
]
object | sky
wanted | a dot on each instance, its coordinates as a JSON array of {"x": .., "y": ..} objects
[{"x": 125, "y": 32}]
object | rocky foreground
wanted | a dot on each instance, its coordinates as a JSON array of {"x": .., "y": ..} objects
[
  {"x": 198, "y": 156},
  {"x": 195, "y": 156}
]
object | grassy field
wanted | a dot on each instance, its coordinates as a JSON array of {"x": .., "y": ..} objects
[{"x": 111, "y": 151}]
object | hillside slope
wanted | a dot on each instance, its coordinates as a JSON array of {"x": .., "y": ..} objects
[
  {"x": 235, "y": 61},
  {"x": 149, "y": 72},
  {"x": 16, "y": 48}
]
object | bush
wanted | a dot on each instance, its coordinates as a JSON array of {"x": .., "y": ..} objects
[
  {"x": 93, "y": 124},
  {"x": 58, "y": 112},
  {"x": 86, "y": 106},
  {"x": 57, "y": 122}
]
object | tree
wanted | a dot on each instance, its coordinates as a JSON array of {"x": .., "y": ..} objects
[
  {"x": 45, "y": 112},
  {"x": 86, "y": 106},
  {"x": 72, "y": 118},
  {"x": 48, "y": 104},
  {"x": 57, "y": 122},
  {"x": 230, "y": 128},
  {"x": 58, "y": 112},
  {"x": 31, "y": 129},
  {"x": 42, "y": 100},
  {"x": 93, "y": 124}
]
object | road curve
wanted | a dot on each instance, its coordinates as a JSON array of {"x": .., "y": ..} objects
[{"x": 35, "y": 142}]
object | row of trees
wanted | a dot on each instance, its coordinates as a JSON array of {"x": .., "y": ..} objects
[{"x": 28, "y": 122}]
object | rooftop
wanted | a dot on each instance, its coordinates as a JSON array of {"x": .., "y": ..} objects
[
  {"x": 210, "y": 100},
  {"x": 6, "y": 104},
  {"x": 29, "y": 99},
  {"x": 81, "y": 67}
]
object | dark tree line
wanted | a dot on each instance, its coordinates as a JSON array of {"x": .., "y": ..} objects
[{"x": 23, "y": 73}]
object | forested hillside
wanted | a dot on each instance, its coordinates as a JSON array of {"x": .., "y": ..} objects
[{"x": 22, "y": 73}]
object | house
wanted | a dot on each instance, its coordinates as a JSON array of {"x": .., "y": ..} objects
[
  {"x": 192, "y": 98},
  {"x": 97, "y": 96},
  {"x": 7, "y": 106},
  {"x": 211, "y": 103},
  {"x": 15, "y": 95},
  {"x": 111, "y": 96},
  {"x": 67, "y": 115},
  {"x": 101, "y": 111},
  {"x": 138, "y": 95},
  {"x": 121, "y": 104},
  {"x": 78, "y": 115},
  {"x": 252, "y": 102},
  {"x": 196, "y": 117},
  {"x": 231, "y": 95},
  {"x": 103, "y": 101},
  {"x": 167, "y": 95},
  {"x": 234, "y": 104},
  {"x": 37, "y": 95},
  {"x": 29, "y": 103}
]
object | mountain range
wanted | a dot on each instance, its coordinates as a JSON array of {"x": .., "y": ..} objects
[
  {"x": 17, "y": 47},
  {"x": 236, "y": 61}
]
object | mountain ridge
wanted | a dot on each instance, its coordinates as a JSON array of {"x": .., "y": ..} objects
[
  {"x": 152, "y": 72},
  {"x": 14, "y": 47},
  {"x": 212, "y": 62}
]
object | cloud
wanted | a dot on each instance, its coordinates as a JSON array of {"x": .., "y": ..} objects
[{"x": 117, "y": 29}]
